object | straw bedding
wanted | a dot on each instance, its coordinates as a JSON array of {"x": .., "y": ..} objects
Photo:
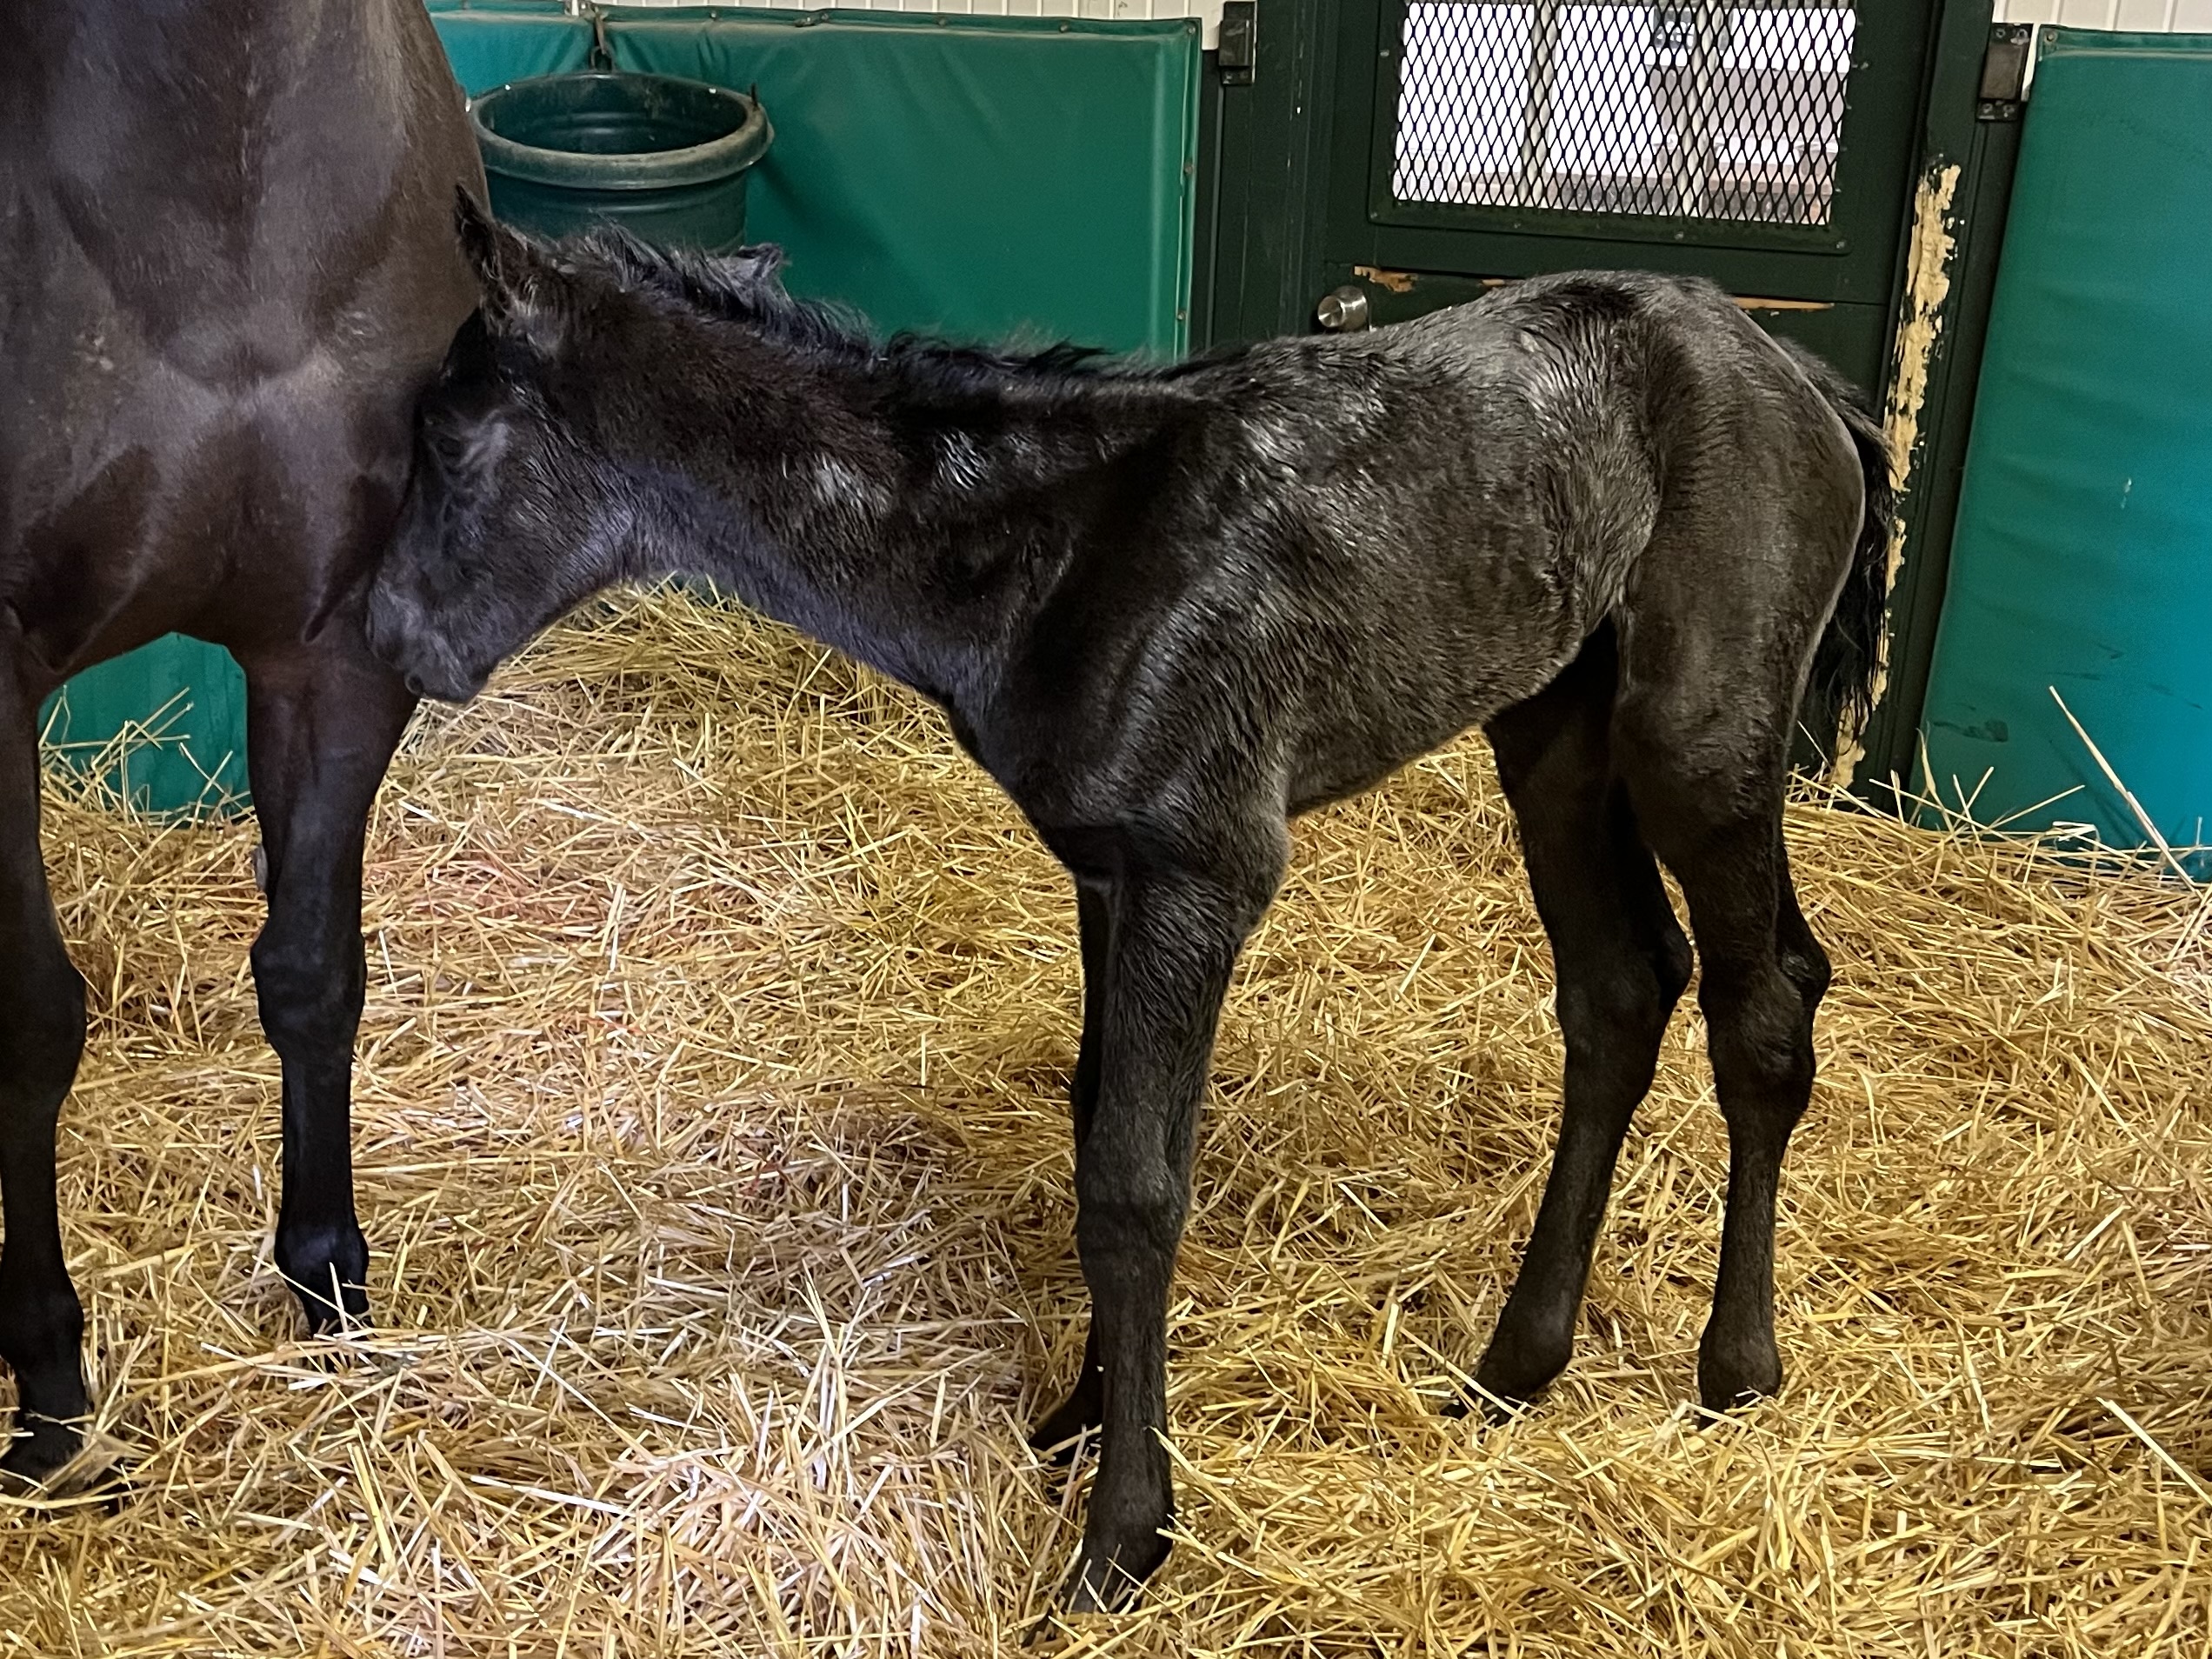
[{"x": 712, "y": 1144}]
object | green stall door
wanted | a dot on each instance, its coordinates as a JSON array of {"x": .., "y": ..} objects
[{"x": 987, "y": 177}]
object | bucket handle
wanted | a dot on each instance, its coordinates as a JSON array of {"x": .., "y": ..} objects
[{"x": 602, "y": 56}]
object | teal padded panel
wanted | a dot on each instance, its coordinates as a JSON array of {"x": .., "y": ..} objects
[
  {"x": 491, "y": 44},
  {"x": 2084, "y": 556},
  {"x": 987, "y": 177},
  {"x": 186, "y": 699}
]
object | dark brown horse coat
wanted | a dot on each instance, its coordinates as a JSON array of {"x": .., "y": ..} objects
[{"x": 227, "y": 268}]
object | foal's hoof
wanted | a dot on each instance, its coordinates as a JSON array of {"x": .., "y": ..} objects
[
  {"x": 330, "y": 1314},
  {"x": 43, "y": 1447},
  {"x": 51, "y": 1460},
  {"x": 328, "y": 1271},
  {"x": 1512, "y": 1378},
  {"x": 1062, "y": 1429},
  {"x": 1479, "y": 1402},
  {"x": 1727, "y": 1381},
  {"x": 1108, "y": 1578}
]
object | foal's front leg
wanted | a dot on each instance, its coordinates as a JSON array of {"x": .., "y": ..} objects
[
  {"x": 1172, "y": 937},
  {"x": 321, "y": 728}
]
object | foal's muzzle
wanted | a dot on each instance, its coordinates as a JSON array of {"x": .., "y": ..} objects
[{"x": 400, "y": 633}]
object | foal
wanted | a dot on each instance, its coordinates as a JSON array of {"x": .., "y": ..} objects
[{"x": 1168, "y": 608}]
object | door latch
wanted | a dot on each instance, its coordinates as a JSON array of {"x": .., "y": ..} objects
[
  {"x": 1238, "y": 54},
  {"x": 2004, "y": 71}
]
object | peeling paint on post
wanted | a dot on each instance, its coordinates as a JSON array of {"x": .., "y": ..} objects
[{"x": 1928, "y": 284}]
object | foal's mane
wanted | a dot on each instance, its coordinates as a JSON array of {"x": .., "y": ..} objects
[{"x": 746, "y": 288}]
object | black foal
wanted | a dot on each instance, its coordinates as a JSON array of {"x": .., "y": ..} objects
[{"x": 1168, "y": 608}]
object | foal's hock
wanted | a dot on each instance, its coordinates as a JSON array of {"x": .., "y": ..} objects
[{"x": 1168, "y": 608}]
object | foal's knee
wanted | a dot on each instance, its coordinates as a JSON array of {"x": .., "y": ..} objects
[
  {"x": 309, "y": 992},
  {"x": 1127, "y": 1207},
  {"x": 1630, "y": 999},
  {"x": 1808, "y": 967},
  {"x": 1759, "y": 1026},
  {"x": 1671, "y": 961}
]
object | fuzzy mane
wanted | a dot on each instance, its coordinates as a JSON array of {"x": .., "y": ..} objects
[{"x": 746, "y": 287}]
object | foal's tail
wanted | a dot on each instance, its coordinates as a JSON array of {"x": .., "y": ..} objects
[{"x": 1848, "y": 662}]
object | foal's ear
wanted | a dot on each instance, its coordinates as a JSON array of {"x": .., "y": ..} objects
[
  {"x": 525, "y": 294},
  {"x": 758, "y": 264}
]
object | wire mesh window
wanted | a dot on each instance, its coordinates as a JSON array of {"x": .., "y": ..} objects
[{"x": 1697, "y": 111}]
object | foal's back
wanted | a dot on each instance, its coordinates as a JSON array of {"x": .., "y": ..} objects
[
  {"x": 225, "y": 269},
  {"x": 1392, "y": 535}
]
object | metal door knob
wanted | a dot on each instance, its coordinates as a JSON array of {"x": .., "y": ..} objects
[{"x": 1343, "y": 310}]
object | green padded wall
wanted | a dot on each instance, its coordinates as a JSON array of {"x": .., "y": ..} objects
[
  {"x": 986, "y": 177},
  {"x": 178, "y": 706},
  {"x": 2084, "y": 553}
]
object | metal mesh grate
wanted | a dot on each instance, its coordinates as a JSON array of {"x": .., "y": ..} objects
[{"x": 1697, "y": 111}]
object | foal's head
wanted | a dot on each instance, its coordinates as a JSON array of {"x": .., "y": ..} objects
[{"x": 520, "y": 507}]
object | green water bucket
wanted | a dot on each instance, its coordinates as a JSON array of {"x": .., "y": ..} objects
[{"x": 662, "y": 157}]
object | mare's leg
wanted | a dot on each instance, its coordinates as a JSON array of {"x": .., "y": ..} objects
[
  {"x": 1712, "y": 808},
  {"x": 1058, "y": 1431},
  {"x": 322, "y": 726},
  {"x": 1620, "y": 962},
  {"x": 41, "y": 1033},
  {"x": 1172, "y": 937}
]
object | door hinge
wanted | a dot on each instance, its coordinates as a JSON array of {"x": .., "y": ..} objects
[
  {"x": 1238, "y": 54},
  {"x": 2004, "y": 71}
]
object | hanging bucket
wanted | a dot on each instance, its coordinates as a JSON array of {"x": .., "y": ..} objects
[{"x": 662, "y": 157}]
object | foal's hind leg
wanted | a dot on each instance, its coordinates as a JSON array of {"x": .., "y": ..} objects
[
  {"x": 1620, "y": 962},
  {"x": 322, "y": 726},
  {"x": 1086, "y": 1401},
  {"x": 41, "y": 1033},
  {"x": 1764, "y": 978}
]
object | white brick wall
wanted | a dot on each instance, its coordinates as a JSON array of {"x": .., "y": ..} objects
[
  {"x": 2163, "y": 17},
  {"x": 1207, "y": 10}
]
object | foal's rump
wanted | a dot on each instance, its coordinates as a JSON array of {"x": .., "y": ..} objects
[
  {"x": 1568, "y": 451},
  {"x": 1774, "y": 505}
]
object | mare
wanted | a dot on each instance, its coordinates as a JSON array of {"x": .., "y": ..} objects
[{"x": 227, "y": 272}]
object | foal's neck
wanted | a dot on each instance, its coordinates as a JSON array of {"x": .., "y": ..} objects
[{"x": 912, "y": 504}]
